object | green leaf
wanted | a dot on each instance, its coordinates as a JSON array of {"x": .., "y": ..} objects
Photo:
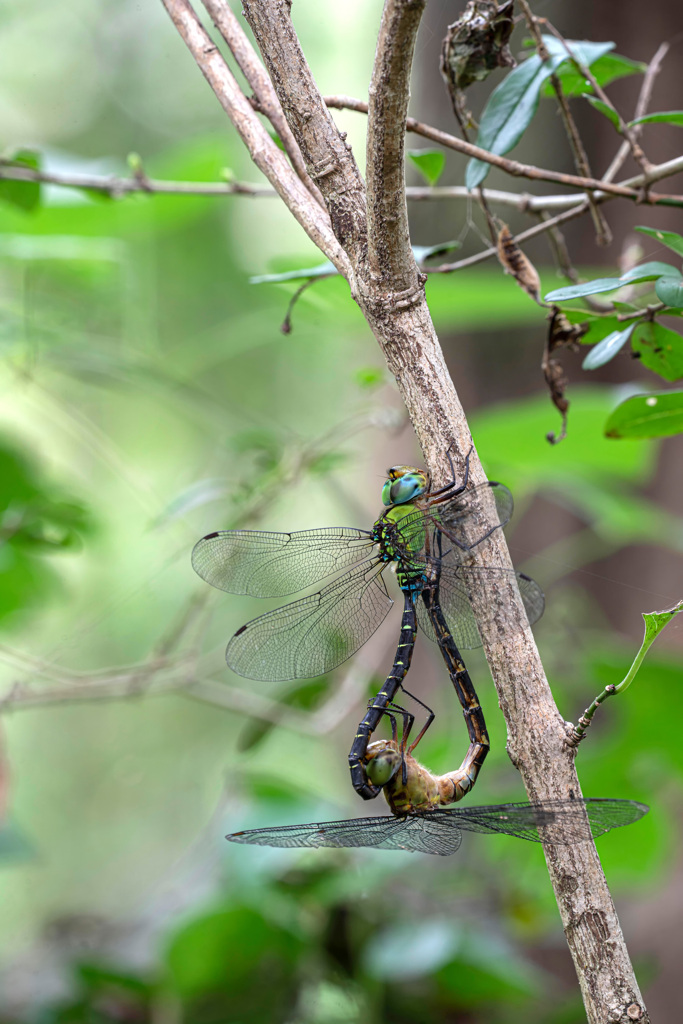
[
  {"x": 654, "y": 624},
  {"x": 666, "y": 116},
  {"x": 325, "y": 269},
  {"x": 645, "y": 272},
  {"x": 607, "y": 348},
  {"x": 648, "y": 272},
  {"x": 429, "y": 162},
  {"x": 600, "y": 105},
  {"x": 605, "y": 69},
  {"x": 670, "y": 291},
  {"x": 656, "y": 621},
  {"x": 660, "y": 350},
  {"x": 22, "y": 194},
  {"x": 577, "y": 291},
  {"x": 643, "y": 416},
  {"x": 598, "y": 328},
  {"x": 425, "y": 252},
  {"x": 670, "y": 239},
  {"x": 514, "y": 102}
]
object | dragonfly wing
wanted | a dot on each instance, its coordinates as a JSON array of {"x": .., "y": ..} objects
[
  {"x": 465, "y": 521},
  {"x": 418, "y": 834},
  {"x": 457, "y": 582},
  {"x": 313, "y": 635},
  {"x": 470, "y": 517},
  {"x": 262, "y": 564},
  {"x": 563, "y": 821}
]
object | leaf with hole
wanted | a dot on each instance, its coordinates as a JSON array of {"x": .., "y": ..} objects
[
  {"x": 659, "y": 349},
  {"x": 656, "y": 621},
  {"x": 647, "y": 416}
]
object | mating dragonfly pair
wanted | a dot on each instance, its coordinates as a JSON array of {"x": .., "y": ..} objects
[{"x": 428, "y": 537}]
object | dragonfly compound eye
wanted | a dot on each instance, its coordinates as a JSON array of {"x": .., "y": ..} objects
[
  {"x": 382, "y": 768},
  {"x": 404, "y": 484}
]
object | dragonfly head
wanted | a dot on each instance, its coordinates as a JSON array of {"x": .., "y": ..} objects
[
  {"x": 382, "y": 762},
  {"x": 405, "y": 483}
]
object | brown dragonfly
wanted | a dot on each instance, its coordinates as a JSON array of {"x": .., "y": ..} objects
[{"x": 421, "y": 820}]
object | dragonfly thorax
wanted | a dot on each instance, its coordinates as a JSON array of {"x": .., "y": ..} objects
[{"x": 405, "y": 483}]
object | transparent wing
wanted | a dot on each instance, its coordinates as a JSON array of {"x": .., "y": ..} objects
[
  {"x": 466, "y": 520},
  {"x": 439, "y": 832},
  {"x": 564, "y": 821},
  {"x": 456, "y": 582},
  {"x": 312, "y": 636},
  {"x": 418, "y": 834},
  {"x": 263, "y": 564}
]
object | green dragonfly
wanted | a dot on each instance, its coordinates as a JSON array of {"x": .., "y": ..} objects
[
  {"x": 422, "y": 822},
  {"x": 427, "y": 536}
]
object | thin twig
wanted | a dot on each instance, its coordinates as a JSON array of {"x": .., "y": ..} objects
[
  {"x": 117, "y": 187},
  {"x": 326, "y": 153},
  {"x": 487, "y": 254},
  {"x": 622, "y": 127},
  {"x": 265, "y": 154},
  {"x": 264, "y": 94},
  {"x": 643, "y": 103},
  {"x": 512, "y": 167},
  {"x": 603, "y": 233}
]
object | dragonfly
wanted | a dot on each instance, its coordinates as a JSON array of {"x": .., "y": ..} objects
[
  {"x": 427, "y": 535},
  {"x": 421, "y": 821}
]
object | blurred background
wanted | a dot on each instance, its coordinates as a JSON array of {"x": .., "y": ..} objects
[{"x": 149, "y": 397}]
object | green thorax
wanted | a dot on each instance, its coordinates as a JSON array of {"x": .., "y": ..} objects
[{"x": 398, "y": 531}]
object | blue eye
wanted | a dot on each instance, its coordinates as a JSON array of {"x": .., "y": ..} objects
[{"x": 403, "y": 489}]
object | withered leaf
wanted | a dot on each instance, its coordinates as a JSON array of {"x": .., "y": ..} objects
[{"x": 516, "y": 263}]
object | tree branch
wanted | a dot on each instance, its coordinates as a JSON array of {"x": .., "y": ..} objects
[
  {"x": 391, "y": 263},
  {"x": 327, "y": 155},
  {"x": 537, "y": 734},
  {"x": 641, "y": 108},
  {"x": 512, "y": 167},
  {"x": 265, "y": 154},
  {"x": 261, "y": 85}
]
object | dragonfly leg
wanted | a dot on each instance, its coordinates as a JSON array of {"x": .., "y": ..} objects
[
  {"x": 408, "y": 721},
  {"x": 450, "y": 486},
  {"x": 430, "y": 718}
]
